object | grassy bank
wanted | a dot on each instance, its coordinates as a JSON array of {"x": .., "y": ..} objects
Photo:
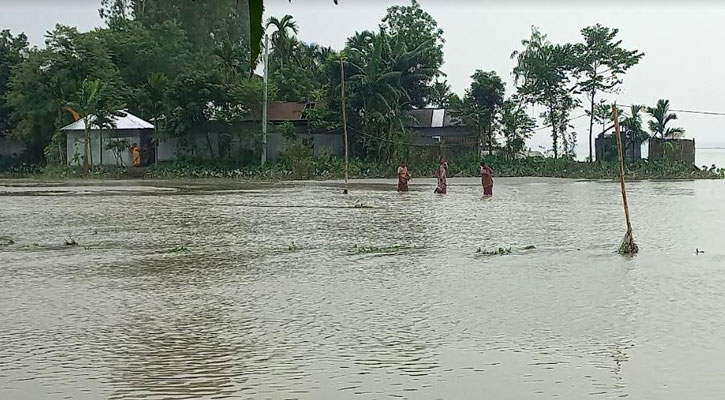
[{"x": 328, "y": 167}]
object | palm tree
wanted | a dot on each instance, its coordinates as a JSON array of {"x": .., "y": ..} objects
[
  {"x": 440, "y": 94},
  {"x": 662, "y": 116},
  {"x": 377, "y": 85},
  {"x": 86, "y": 104},
  {"x": 281, "y": 39},
  {"x": 230, "y": 59},
  {"x": 156, "y": 88}
]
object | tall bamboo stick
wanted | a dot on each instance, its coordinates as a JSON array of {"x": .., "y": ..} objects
[
  {"x": 344, "y": 122},
  {"x": 628, "y": 246}
]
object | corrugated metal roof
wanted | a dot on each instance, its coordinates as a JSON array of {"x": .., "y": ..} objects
[{"x": 126, "y": 122}]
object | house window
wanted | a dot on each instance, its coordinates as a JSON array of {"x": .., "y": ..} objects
[{"x": 310, "y": 106}]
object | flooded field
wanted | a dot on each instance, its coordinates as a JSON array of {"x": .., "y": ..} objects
[{"x": 292, "y": 290}]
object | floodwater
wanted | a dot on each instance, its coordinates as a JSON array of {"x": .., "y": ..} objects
[{"x": 182, "y": 290}]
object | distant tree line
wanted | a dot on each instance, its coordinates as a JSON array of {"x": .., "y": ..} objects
[{"x": 180, "y": 64}]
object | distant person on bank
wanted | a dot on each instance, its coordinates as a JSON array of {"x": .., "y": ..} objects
[{"x": 136, "y": 155}]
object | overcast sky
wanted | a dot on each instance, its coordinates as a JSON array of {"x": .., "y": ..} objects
[{"x": 683, "y": 44}]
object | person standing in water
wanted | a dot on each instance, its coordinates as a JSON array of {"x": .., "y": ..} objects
[
  {"x": 442, "y": 187},
  {"x": 403, "y": 178},
  {"x": 486, "y": 179}
]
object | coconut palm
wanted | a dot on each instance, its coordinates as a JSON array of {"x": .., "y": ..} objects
[{"x": 661, "y": 117}]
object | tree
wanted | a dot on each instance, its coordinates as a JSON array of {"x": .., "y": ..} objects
[
  {"x": 156, "y": 102},
  {"x": 440, "y": 94},
  {"x": 281, "y": 40},
  {"x": 516, "y": 127},
  {"x": 661, "y": 117},
  {"x": 377, "y": 95},
  {"x": 13, "y": 51},
  {"x": 414, "y": 28},
  {"x": 487, "y": 92},
  {"x": 230, "y": 60},
  {"x": 87, "y": 104},
  {"x": 601, "y": 62},
  {"x": 205, "y": 22},
  {"x": 45, "y": 81},
  {"x": 543, "y": 75}
]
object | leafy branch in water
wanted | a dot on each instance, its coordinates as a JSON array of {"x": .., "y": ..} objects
[
  {"x": 179, "y": 249},
  {"x": 499, "y": 252}
]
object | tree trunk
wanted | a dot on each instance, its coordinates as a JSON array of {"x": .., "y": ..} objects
[
  {"x": 156, "y": 142},
  {"x": 554, "y": 132},
  {"x": 591, "y": 127},
  {"x": 490, "y": 138},
  {"x": 100, "y": 144}
]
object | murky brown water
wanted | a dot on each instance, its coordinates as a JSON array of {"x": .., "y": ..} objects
[{"x": 190, "y": 291}]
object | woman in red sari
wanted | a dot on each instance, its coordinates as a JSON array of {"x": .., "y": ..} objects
[
  {"x": 442, "y": 187},
  {"x": 403, "y": 178},
  {"x": 486, "y": 179}
]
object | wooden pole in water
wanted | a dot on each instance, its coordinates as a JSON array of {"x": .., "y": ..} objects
[
  {"x": 344, "y": 121},
  {"x": 628, "y": 246},
  {"x": 264, "y": 105}
]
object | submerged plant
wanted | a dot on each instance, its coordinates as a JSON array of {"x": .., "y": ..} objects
[
  {"x": 382, "y": 250},
  {"x": 501, "y": 251},
  {"x": 179, "y": 249}
]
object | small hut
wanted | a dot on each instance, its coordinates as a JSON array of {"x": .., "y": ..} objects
[{"x": 110, "y": 146}]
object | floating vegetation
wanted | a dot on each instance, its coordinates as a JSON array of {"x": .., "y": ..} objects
[
  {"x": 179, "y": 249},
  {"x": 361, "y": 205},
  {"x": 530, "y": 247},
  {"x": 382, "y": 250},
  {"x": 501, "y": 251},
  {"x": 6, "y": 241},
  {"x": 292, "y": 247},
  {"x": 71, "y": 242}
]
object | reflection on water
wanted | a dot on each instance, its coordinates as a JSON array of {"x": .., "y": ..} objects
[{"x": 193, "y": 290}]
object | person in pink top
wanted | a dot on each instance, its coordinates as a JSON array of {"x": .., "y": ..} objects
[{"x": 486, "y": 179}]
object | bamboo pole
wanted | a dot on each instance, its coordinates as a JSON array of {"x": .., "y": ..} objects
[
  {"x": 628, "y": 246},
  {"x": 344, "y": 122},
  {"x": 264, "y": 105}
]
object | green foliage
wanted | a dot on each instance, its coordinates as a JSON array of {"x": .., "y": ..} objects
[
  {"x": 13, "y": 50},
  {"x": 516, "y": 128},
  {"x": 661, "y": 116},
  {"x": 47, "y": 80},
  {"x": 382, "y": 250},
  {"x": 543, "y": 74},
  {"x": 481, "y": 105},
  {"x": 414, "y": 28},
  {"x": 601, "y": 63},
  {"x": 498, "y": 252}
]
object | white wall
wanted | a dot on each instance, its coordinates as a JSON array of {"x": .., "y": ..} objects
[{"x": 75, "y": 141}]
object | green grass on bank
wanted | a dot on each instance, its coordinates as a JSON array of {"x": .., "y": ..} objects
[{"x": 330, "y": 167}]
